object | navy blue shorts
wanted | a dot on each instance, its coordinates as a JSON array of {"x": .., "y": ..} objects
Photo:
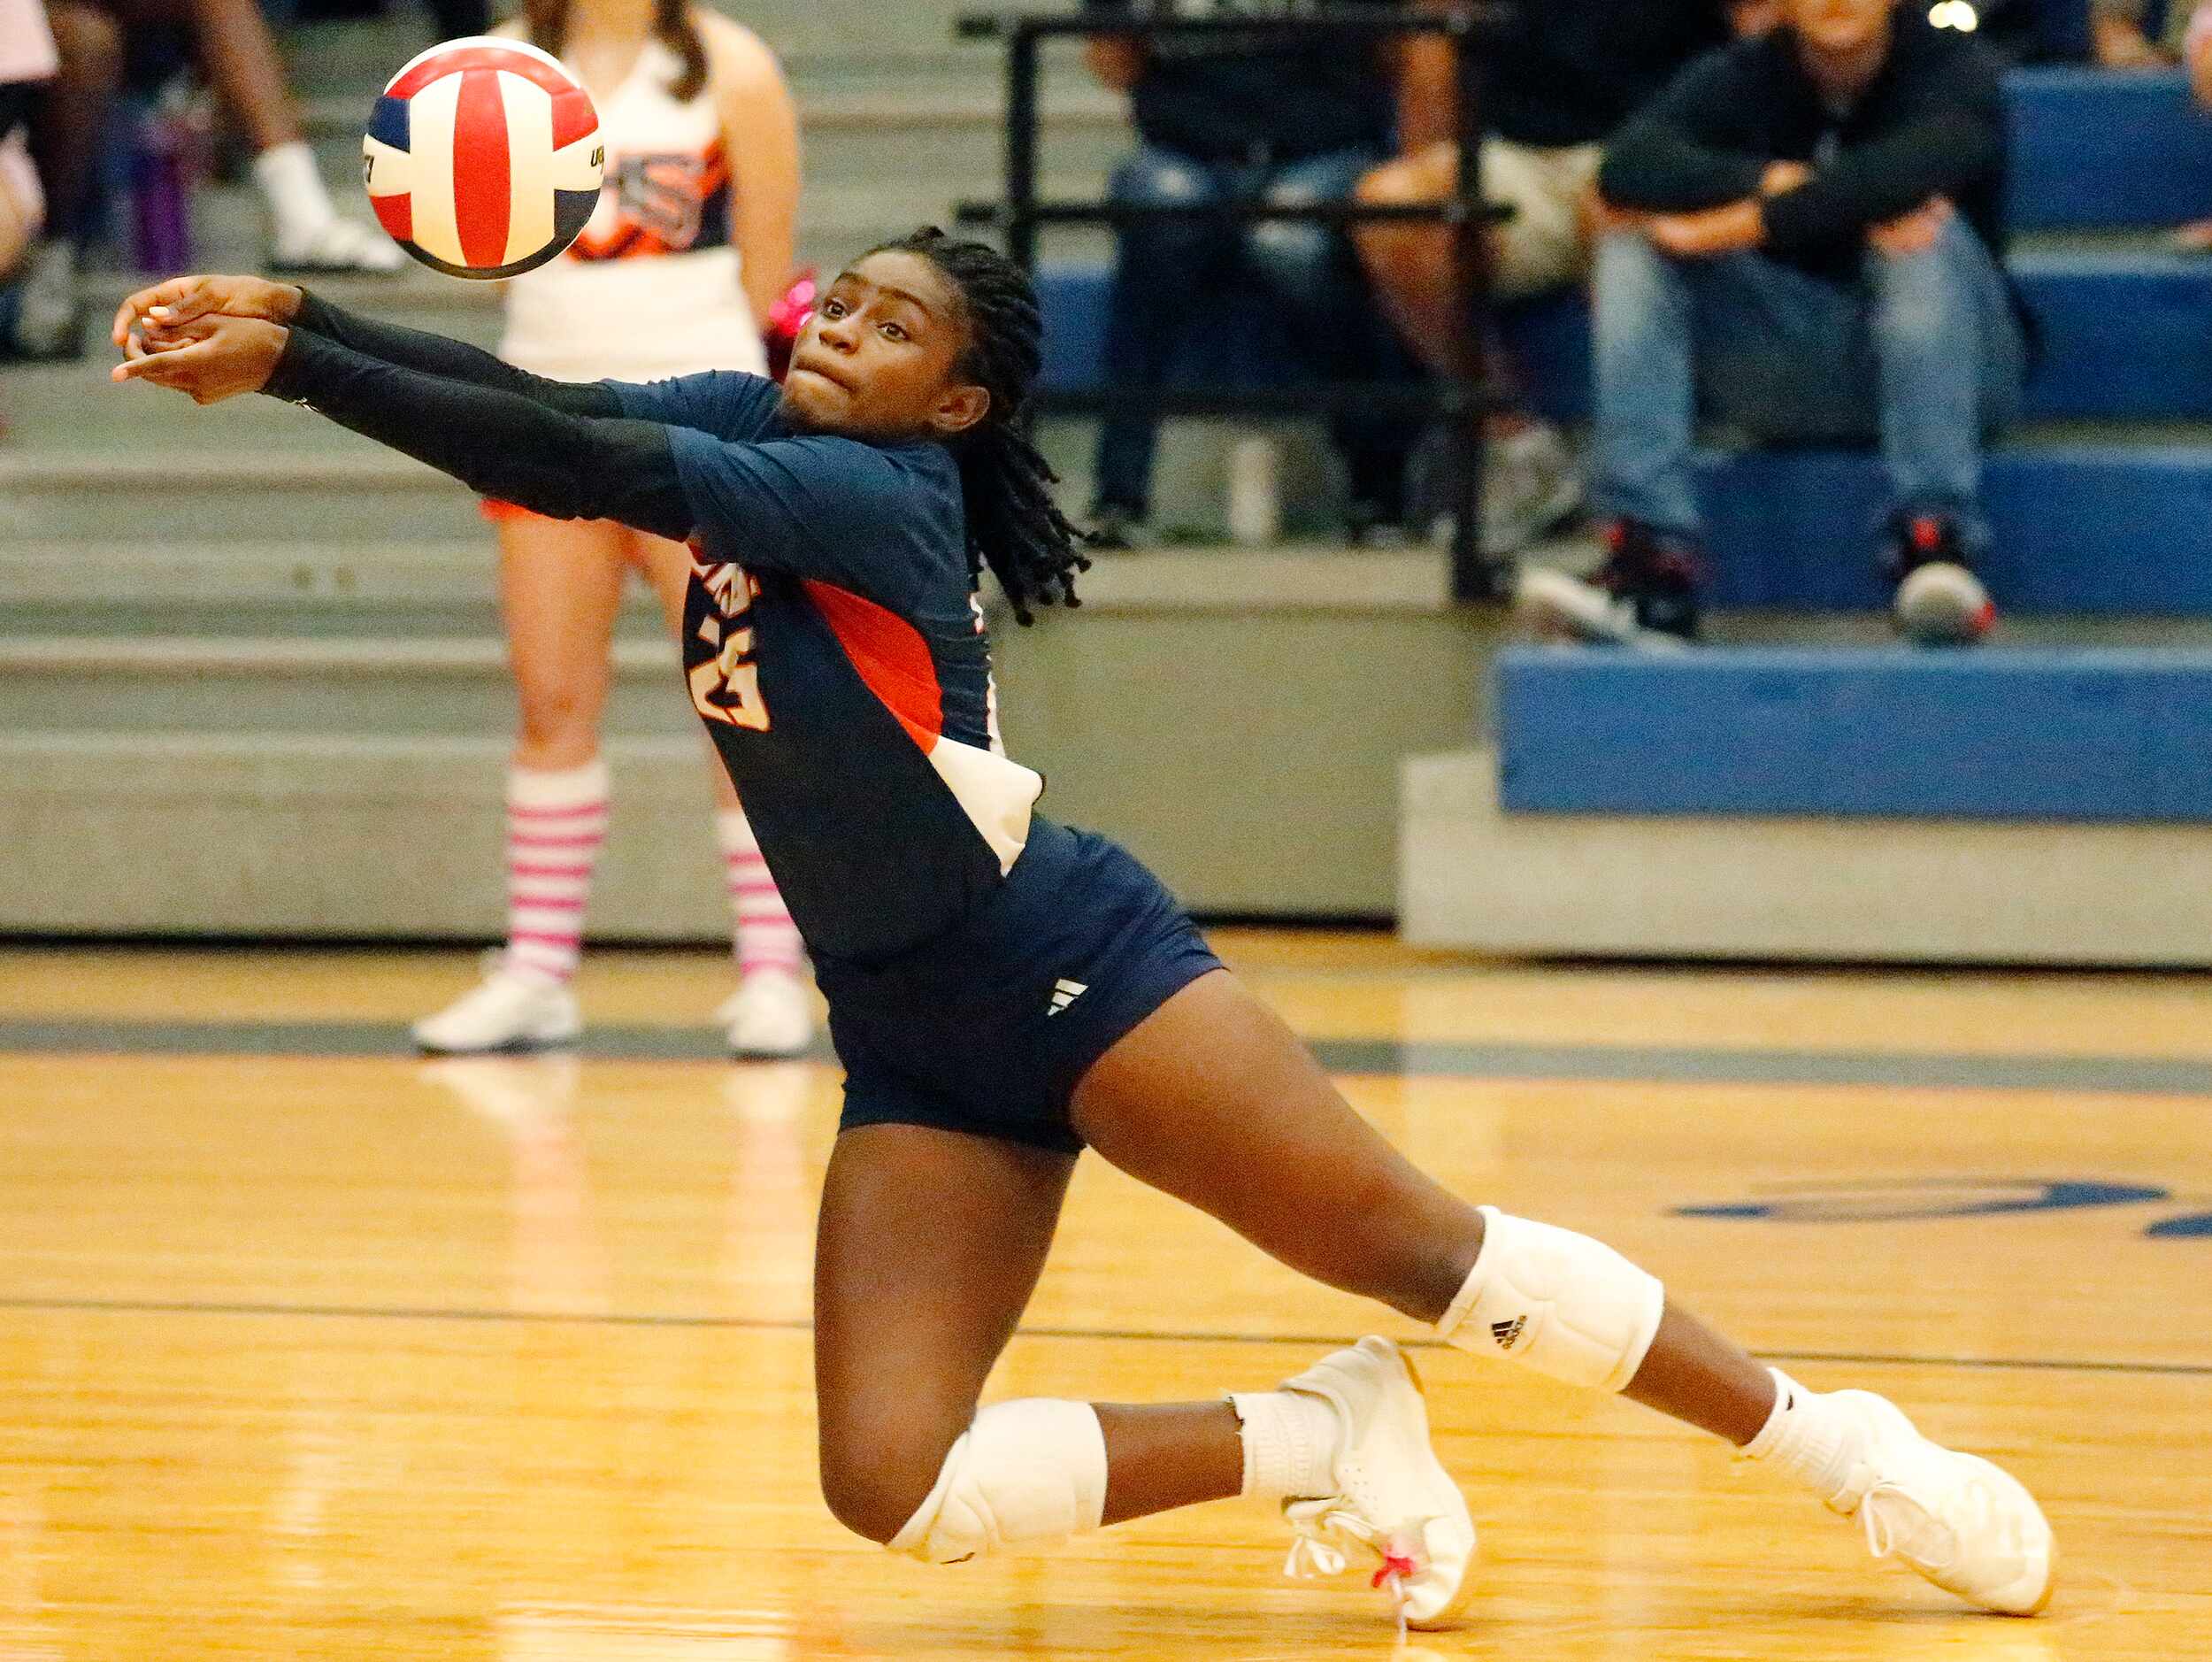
[{"x": 988, "y": 1027}]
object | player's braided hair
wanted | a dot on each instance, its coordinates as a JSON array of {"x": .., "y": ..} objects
[{"x": 1014, "y": 524}]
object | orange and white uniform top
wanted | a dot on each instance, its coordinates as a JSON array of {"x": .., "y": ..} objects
[
  {"x": 653, "y": 285},
  {"x": 27, "y": 45},
  {"x": 26, "y": 54}
]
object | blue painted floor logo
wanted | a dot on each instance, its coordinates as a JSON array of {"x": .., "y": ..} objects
[{"x": 1891, "y": 1200}]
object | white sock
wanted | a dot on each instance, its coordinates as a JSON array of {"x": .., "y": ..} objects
[
  {"x": 288, "y": 177},
  {"x": 1290, "y": 1443},
  {"x": 1806, "y": 1437}
]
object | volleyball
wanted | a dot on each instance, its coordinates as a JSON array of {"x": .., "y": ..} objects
[{"x": 483, "y": 157}]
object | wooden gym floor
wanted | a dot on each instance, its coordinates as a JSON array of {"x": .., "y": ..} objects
[{"x": 311, "y": 1349}]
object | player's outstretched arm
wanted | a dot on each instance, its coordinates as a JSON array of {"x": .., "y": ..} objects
[
  {"x": 162, "y": 311},
  {"x": 455, "y": 360},
  {"x": 500, "y": 444}
]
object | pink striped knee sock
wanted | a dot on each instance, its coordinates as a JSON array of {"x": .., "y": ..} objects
[
  {"x": 556, "y": 822},
  {"x": 765, "y": 936}
]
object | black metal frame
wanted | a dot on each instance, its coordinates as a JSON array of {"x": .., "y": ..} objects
[{"x": 1465, "y": 400}]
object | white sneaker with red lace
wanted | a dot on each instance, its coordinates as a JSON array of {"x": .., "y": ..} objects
[
  {"x": 1964, "y": 1524},
  {"x": 1395, "y": 1504}
]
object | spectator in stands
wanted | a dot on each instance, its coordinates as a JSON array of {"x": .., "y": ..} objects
[
  {"x": 1225, "y": 117},
  {"x": 67, "y": 131},
  {"x": 307, "y": 233},
  {"x": 2137, "y": 33},
  {"x": 2196, "y": 57},
  {"x": 1806, "y": 229},
  {"x": 22, "y": 204},
  {"x": 27, "y": 62},
  {"x": 1557, "y": 85},
  {"x": 2156, "y": 34}
]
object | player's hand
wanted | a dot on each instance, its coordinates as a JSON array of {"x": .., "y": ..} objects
[
  {"x": 1913, "y": 232},
  {"x": 181, "y": 299},
  {"x": 210, "y": 358}
]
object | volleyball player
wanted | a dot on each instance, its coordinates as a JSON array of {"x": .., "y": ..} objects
[
  {"x": 1004, "y": 991},
  {"x": 688, "y": 252}
]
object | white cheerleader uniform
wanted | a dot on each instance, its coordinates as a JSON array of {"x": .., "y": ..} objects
[{"x": 653, "y": 287}]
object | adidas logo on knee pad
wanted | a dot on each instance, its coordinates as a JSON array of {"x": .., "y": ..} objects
[{"x": 1556, "y": 1302}]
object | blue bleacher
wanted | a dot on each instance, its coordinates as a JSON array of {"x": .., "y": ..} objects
[
  {"x": 2107, "y": 736},
  {"x": 2144, "y": 309},
  {"x": 2079, "y": 529},
  {"x": 2127, "y": 337},
  {"x": 2092, "y": 148},
  {"x": 2149, "y": 310}
]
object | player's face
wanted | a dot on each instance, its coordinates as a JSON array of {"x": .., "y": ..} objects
[
  {"x": 878, "y": 359},
  {"x": 1838, "y": 26}
]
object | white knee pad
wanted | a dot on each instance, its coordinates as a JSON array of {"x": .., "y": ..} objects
[
  {"x": 1027, "y": 1472},
  {"x": 1557, "y": 1302}
]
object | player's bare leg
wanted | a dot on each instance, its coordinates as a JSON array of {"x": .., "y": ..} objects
[
  {"x": 931, "y": 1243},
  {"x": 929, "y": 1246},
  {"x": 1213, "y": 1100}
]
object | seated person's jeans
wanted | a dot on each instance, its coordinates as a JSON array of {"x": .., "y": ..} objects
[
  {"x": 1304, "y": 269},
  {"x": 1923, "y": 353}
]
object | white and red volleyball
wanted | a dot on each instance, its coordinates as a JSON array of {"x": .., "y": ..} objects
[{"x": 483, "y": 157}]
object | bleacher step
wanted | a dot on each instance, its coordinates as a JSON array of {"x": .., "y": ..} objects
[
  {"x": 2048, "y": 735},
  {"x": 1475, "y": 878},
  {"x": 2091, "y": 146},
  {"x": 2120, "y": 332},
  {"x": 81, "y": 578},
  {"x": 2078, "y": 528},
  {"x": 183, "y": 498},
  {"x": 2123, "y": 338}
]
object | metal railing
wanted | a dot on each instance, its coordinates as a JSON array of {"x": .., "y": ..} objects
[{"x": 1462, "y": 400}]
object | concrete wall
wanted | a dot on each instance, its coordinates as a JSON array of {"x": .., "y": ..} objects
[
  {"x": 1892, "y": 891},
  {"x": 1223, "y": 713}
]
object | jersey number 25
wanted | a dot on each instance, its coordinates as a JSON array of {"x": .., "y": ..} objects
[{"x": 726, "y": 687}]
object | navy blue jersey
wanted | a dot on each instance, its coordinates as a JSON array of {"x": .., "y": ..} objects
[{"x": 835, "y": 646}]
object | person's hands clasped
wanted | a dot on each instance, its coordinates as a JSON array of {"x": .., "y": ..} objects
[
  {"x": 167, "y": 305},
  {"x": 209, "y": 358}
]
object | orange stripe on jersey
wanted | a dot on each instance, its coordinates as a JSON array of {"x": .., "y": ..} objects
[{"x": 891, "y": 656}]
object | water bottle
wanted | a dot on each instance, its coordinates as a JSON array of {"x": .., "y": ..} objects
[
  {"x": 163, "y": 168},
  {"x": 1256, "y": 495}
]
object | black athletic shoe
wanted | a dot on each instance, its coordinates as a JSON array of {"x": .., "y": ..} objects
[
  {"x": 1644, "y": 594},
  {"x": 1114, "y": 526}
]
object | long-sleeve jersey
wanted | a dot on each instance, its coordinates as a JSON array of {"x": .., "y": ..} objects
[{"x": 834, "y": 643}]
